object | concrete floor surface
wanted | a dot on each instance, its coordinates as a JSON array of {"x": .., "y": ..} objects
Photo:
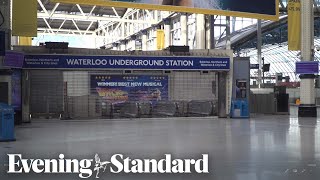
[{"x": 262, "y": 148}]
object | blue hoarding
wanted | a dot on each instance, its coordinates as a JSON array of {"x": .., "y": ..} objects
[
  {"x": 127, "y": 62},
  {"x": 307, "y": 67},
  {"x": 119, "y": 89}
]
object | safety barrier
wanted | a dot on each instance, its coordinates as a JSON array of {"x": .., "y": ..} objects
[
  {"x": 92, "y": 107},
  {"x": 165, "y": 109},
  {"x": 130, "y": 110},
  {"x": 201, "y": 108},
  {"x": 145, "y": 109}
]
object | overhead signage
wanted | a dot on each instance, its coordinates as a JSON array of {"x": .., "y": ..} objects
[
  {"x": 307, "y": 67},
  {"x": 266, "y": 9},
  {"x": 127, "y": 62},
  {"x": 254, "y": 66},
  {"x": 13, "y": 59},
  {"x": 294, "y": 25}
]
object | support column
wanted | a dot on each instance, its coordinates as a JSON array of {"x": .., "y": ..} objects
[
  {"x": 228, "y": 34},
  {"x": 5, "y": 8},
  {"x": 155, "y": 38},
  {"x": 167, "y": 32},
  {"x": 200, "y": 32},
  {"x": 259, "y": 47},
  {"x": 184, "y": 41},
  {"x": 123, "y": 34},
  {"x": 307, "y": 89},
  {"x": 123, "y": 45},
  {"x": 115, "y": 46},
  {"x": 210, "y": 40},
  {"x": 144, "y": 41},
  {"x": 133, "y": 42}
]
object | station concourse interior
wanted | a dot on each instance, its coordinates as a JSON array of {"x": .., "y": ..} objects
[{"x": 241, "y": 85}]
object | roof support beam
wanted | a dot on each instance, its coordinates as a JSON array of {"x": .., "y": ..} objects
[
  {"x": 90, "y": 14},
  {"x": 115, "y": 12},
  {"x": 61, "y": 25},
  {"x": 43, "y": 8},
  {"x": 80, "y": 9},
  {"x": 88, "y": 28},
  {"x": 54, "y": 9},
  {"x": 84, "y": 18},
  {"x": 45, "y": 20},
  {"x": 75, "y": 24}
]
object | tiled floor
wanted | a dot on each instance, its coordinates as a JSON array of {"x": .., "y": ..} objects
[{"x": 262, "y": 148}]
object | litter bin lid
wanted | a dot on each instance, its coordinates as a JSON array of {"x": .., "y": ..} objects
[{"x": 5, "y": 107}]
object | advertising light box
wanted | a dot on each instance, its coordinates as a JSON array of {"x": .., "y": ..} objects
[
  {"x": 119, "y": 89},
  {"x": 261, "y": 9}
]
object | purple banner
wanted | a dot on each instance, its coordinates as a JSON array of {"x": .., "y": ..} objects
[
  {"x": 307, "y": 67},
  {"x": 14, "y": 59}
]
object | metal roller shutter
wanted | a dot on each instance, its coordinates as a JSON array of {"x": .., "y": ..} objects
[{"x": 46, "y": 93}]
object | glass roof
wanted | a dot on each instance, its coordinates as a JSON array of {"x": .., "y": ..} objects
[{"x": 275, "y": 51}]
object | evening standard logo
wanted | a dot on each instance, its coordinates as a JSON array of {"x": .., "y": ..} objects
[{"x": 117, "y": 164}]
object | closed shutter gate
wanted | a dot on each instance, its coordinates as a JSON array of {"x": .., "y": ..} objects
[
  {"x": 46, "y": 93},
  {"x": 195, "y": 92}
]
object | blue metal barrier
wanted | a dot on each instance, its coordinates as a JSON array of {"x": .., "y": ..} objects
[
  {"x": 6, "y": 123},
  {"x": 239, "y": 109}
]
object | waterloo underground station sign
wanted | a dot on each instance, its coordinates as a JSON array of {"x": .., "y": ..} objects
[
  {"x": 257, "y": 9},
  {"x": 126, "y": 62}
]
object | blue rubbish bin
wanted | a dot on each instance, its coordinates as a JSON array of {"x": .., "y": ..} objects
[
  {"x": 239, "y": 109},
  {"x": 6, "y": 123}
]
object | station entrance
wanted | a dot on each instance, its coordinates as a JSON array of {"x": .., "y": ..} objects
[
  {"x": 114, "y": 94},
  {"x": 56, "y": 86}
]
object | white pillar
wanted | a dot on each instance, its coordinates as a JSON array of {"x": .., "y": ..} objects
[
  {"x": 167, "y": 32},
  {"x": 14, "y": 40},
  {"x": 144, "y": 41},
  {"x": 210, "y": 41},
  {"x": 123, "y": 30},
  {"x": 156, "y": 15},
  {"x": 228, "y": 33},
  {"x": 200, "y": 32},
  {"x": 123, "y": 45},
  {"x": 133, "y": 42},
  {"x": 155, "y": 39},
  {"x": 307, "y": 88},
  {"x": 259, "y": 47},
  {"x": 184, "y": 41}
]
